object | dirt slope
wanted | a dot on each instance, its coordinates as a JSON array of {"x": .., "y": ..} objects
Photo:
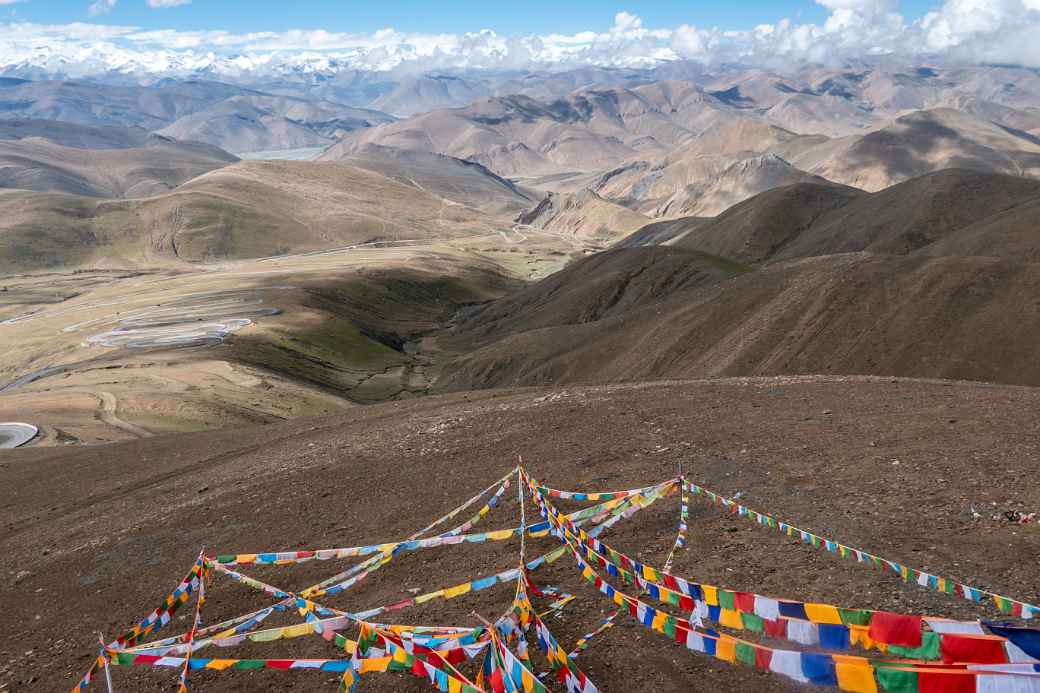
[
  {"x": 970, "y": 318},
  {"x": 104, "y": 532}
]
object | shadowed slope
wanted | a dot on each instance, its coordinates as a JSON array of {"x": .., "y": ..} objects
[{"x": 970, "y": 318}]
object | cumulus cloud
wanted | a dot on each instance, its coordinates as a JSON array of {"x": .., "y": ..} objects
[{"x": 957, "y": 30}]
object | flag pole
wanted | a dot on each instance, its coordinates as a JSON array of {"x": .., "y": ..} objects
[{"x": 104, "y": 659}]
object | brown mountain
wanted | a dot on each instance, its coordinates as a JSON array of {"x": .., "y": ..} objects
[
  {"x": 930, "y": 278},
  {"x": 916, "y": 144},
  {"x": 246, "y": 210},
  {"x": 584, "y": 214},
  {"x": 671, "y": 147},
  {"x": 954, "y": 317},
  {"x": 262, "y": 122},
  {"x": 736, "y": 183},
  {"x": 75, "y": 135},
  {"x": 455, "y": 180},
  {"x": 756, "y": 229},
  {"x": 33, "y": 163},
  {"x": 811, "y": 219},
  {"x": 587, "y": 130}
]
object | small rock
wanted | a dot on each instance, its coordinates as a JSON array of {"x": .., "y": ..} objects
[
  {"x": 22, "y": 576},
  {"x": 203, "y": 489}
]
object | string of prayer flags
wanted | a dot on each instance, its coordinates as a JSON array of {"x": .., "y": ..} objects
[{"x": 1006, "y": 605}]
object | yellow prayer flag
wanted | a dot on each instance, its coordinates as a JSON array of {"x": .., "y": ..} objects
[
  {"x": 726, "y": 648},
  {"x": 422, "y": 598},
  {"x": 298, "y": 630},
  {"x": 220, "y": 664},
  {"x": 730, "y": 619},
  {"x": 822, "y": 613},
  {"x": 500, "y": 535},
  {"x": 711, "y": 595},
  {"x": 855, "y": 674},
  {"x": 454, "y": 685},
  {"x": 374, "y": 664},
  {"x": 860, "y": 635},
  {"x": 458, "y": 590}
]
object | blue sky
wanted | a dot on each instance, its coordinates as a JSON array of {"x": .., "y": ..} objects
[
  {"x": 237, "y": 36},
  {"x": 511, "y": 18}
]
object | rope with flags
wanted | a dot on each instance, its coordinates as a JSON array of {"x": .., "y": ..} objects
[{"x": 852, "y": 649}]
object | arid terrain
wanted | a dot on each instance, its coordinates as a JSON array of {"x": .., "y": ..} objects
[{"x": 889, "y": 465}]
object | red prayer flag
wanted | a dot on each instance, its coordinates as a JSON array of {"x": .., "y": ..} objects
[
  {"x": 777, "y": 628},
  {"x": 681, "y": 631},
  {"x": 964, "y": 649},
  {"x": 896, "y": 629},
  {"x": 945, "y": 682},
  {"x": 744, "y": 601},
  {"x": 763, "y": 658}
]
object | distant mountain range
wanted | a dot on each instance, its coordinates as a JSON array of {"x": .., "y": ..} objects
[
  {"x": 594, "y": 153},
  {"x": 232, "y": 117}
]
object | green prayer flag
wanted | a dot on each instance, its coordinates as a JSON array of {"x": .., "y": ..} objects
[
  {"x": 726, "y": 600},
  {"x": 754, "y": 622},
  {"x": 929, "y": 651},
  {"x": 896, "y": 681},
  {"x": 746, "y": 653},
  {"x": 856, "y": 617},
  {"x": 250, "y": 664}
]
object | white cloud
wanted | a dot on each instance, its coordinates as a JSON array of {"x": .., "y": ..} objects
[
  {"x": 959, "y": 30},
  {"x": 101, "y": 7},
  {"x": 167, "y": 3}
]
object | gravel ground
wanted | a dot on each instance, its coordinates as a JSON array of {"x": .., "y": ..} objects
[{"x": 93, "y": 537}]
